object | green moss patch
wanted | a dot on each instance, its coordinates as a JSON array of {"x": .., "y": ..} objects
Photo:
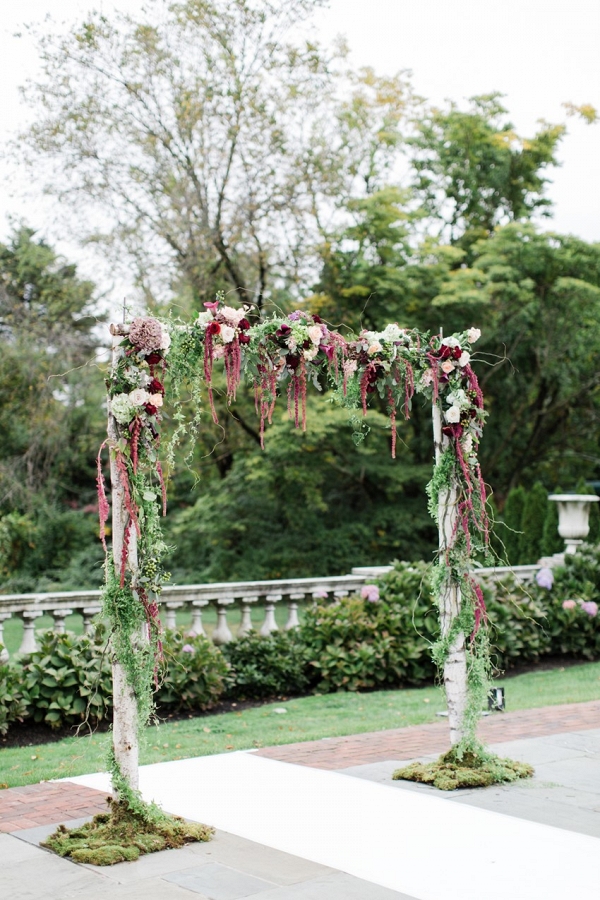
[
  {"x": 123, "y": 835},
  {"x": 467, "y": 770}
]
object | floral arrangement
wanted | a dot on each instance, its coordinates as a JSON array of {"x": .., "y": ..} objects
[{"x": 300, "y": 350}]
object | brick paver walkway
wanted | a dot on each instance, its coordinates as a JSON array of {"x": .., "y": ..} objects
[
  {"x": 423, "y": 740},
  {"x": 49, "y": 803}
]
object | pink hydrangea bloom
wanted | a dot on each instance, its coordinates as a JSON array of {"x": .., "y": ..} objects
[
  {"x": 569, "y": 604},
  {"x": 187, "y": 648},
  {"x": 370, "y": 592},
  {"x": 590, "y": 607}
]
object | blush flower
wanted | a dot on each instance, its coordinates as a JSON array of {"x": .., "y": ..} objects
[
  {"x": 374, "y": 348},
  {"x": 227, "y": 334},
  {"x": 447, "y": 367},
  {"x": 473, "y": 334},
  {"x": 464, "y": 358},
  {"x": 146, "y": 333},
  {"x": 315, "y": 333},
  {"x": 187, "y": 648},
  {"x": 569, "y": 604},
  {"x": 139, "y": 397},
  {"x": 156, "y": 400}
]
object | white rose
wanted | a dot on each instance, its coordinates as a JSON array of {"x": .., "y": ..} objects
[
  {"x": 392, "y": 333},
  {"x": 310, "y": 354},
  {"x": 452, "y": 415},
  {"x": 464, "y": 358},
  {"x": 374, "y": 348},
  {"x": 156, "y": 400},
  {"x": 450, "y": 342},
  {"x": 227, "y": 334},
  {"x": 165, "y": 342},
  {"x": 473, "y": 334},
  {"x": 458, "y": 398},
  {"x": 315, "y": 333},
  {"x": 139, "y": 397},
  {"x": 205, "y": 317}
]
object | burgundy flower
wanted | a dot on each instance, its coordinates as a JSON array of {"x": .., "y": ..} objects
[
  {"x": 457, "y": 353},
  {"x": 243, "y": 324},
  {"x": 318, "y": 320},
  {"x": 153, "y": 359},
  {"x": 454, "y": 431},
  {"x": 283, "y": 331},
  {"x": 150, "y": 409},
  {"x": 213, "y": 327},
  {"x": 292, "y": 361},
  {"x": 244, "y": 338},
  {"x": 155, "y": 387},
  {"x": 445, "y": 352}
]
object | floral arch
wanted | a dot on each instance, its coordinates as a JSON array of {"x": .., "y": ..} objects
[{"x": 291, "y": 355}]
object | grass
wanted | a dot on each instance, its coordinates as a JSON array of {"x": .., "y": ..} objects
[{"x": 305, "y": 719}]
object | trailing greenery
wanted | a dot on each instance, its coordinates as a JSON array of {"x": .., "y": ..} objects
[{"x": 13, "y": 706}]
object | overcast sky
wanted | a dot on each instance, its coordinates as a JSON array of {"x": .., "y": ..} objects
[{"x": 540, "y": 53}]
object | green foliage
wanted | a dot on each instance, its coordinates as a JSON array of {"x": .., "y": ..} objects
[
  {"x": 263, "y": 667},
  {"x": 474, "y": 172},
  {"x": 357, "y": 644},
  {"x": 519, "y": 620},
  {"x": 512, "y": 534},
  {"x": 469, "y": 770},
  {"x": 551, "y": 539},
  {"x": 68, "y": 680},
  {"x": 13, "y": 707},
  {"x": 194, "y": 674},
  {"x": 532, "y": 524}
]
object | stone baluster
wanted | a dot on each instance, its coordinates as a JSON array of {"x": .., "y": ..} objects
[
  {"x": 171, "y": 613},
  {"x": 222, "y": 633},
  {"x": 59, "y": 616},
  {"x": 197, "y": 627},
  {"x": 339, "y": 595},
  {"x": 293, "y": 620},
  {"x": 3, "y": 650},
  {"x": 89, "y": 613},
  {"x": 29, "y": 644},
  {"x": 270, "y": 625},
  {"x": 246, "y": 623}
]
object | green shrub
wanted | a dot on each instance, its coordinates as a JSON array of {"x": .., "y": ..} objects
[
  {"x": 264, "y": 667},
  {"x": 13, "y": 707},
  {"x": 518, "y": 618},
  {"x": 68, "y": 680},
  {"x": 195, "y": 672},
  {"x": 359, "y": 644}
]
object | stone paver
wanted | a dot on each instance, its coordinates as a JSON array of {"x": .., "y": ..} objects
[{"x": 423, "y": 740}]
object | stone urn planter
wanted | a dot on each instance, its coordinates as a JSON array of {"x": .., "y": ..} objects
[{"x": 573, "y": 518}]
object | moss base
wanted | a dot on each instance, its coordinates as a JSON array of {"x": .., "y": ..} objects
[
  {"x": 452, "y": 771},
  {"x": 120, "y": 835}
]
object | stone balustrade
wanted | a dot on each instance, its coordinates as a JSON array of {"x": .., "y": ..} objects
[
  {"x": 194, "y": 599},
  {"x": 191, "y": 598}
]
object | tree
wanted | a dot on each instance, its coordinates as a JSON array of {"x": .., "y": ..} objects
[
  {"x": 473, "y": 172},
  {"x": 512, "y": 535},
  {"x": 209, "y": 138},
  {"x": 534, "y": 517},
  {"x": 50, "y": 412}
]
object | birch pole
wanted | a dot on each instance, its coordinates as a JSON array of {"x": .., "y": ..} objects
[
  {"x": 455, "y": 664},
  {"x": 125, "y": 713}
]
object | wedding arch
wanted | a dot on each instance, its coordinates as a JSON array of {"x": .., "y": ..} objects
[{"x": 285, "y": 354}]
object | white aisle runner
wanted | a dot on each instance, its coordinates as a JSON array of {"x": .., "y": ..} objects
[{"x": 419, "y": 845}]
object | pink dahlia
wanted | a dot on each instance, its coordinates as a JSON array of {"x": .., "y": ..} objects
[{"x": 146, "y": 333}]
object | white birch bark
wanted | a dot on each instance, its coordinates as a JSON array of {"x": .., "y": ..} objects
[
  {"x": 455, "y": 666},
  {"x": 125, "y": 737}
]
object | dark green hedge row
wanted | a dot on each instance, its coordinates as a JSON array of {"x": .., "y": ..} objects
[{"x": 382, "y": 640}]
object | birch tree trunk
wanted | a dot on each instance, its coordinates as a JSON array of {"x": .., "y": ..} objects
[
  {"x": 125, "y": 719},
  {"x": 455, "y": 665}
]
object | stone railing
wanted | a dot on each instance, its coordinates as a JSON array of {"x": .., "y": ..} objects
[{"x": 192, "y": 598}]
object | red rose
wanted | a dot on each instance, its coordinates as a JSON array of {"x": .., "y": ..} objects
[
  {"x": 244, "y": 338},
  {"x": 150, "y": 409},
  {"x": 318, "y": 320},
  {"x": 445, "y": 352},
  {"x": 213, "y": 328},
  {"x": 457, "y": 353},
  {"x": 243, "y": 324},
  {"x": 155, "y": 387},
  {"x": 153, "y": 359}
]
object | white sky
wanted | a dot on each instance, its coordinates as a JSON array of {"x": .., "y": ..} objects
[{"x": 540, "y": 53}]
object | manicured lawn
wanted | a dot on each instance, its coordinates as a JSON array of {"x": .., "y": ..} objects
[{"x": 305, "y": 719}]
